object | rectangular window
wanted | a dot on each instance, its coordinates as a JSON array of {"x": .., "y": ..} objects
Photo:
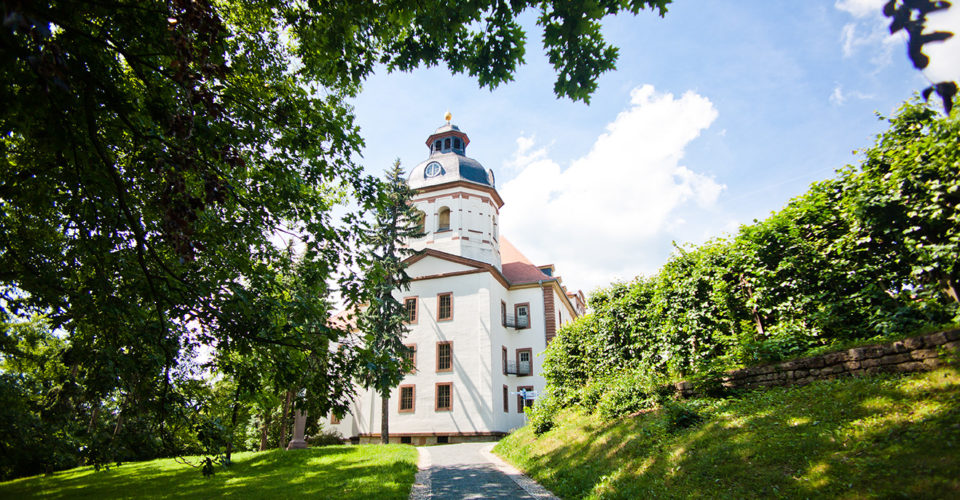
[
  {"x": 524, "y": 362},
  {"x": 444, "y": 306},
  {"x": 506, "y": 399},
  {"x": 444, "y": 400},
  {"x": 406, "y": 440},
  {"x": 504, "y": 352},
  {"x": 522, "y": 312},
  {"x": 410, "y": 307},
  {"x": 521, "y": 400},
  {"x": 407, "y": 398},
  {"x": 412, "y": 357},
  {"x": 503, "y": 313},
  {"x": 444, "y": 356}
]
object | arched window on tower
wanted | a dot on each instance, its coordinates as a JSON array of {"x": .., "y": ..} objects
[
  {"x": 446, "y": 143},
  {"x": 436, "y": 146},
  {"x": 456, "y": 143},
  {"x": 443, "y": 221}
]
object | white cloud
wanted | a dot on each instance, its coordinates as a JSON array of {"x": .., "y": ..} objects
[
  {"x": 868, "y": 31},
  {"x": 838, "y": 96},
  {"x": 944, "y": 56},
  {"x": 611, "y": 213},
  {"x": 861, "y": 8},
  {"x": 525, "y": 153}
]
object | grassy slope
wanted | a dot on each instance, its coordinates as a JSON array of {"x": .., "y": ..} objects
[
  {"x": 873, "y": 437},
  {"x": 344, "y": 472}
]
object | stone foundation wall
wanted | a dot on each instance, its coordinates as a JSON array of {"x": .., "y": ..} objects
[
  {"x": 908, "y": 355},
  {"x": 427, "y": 439}
]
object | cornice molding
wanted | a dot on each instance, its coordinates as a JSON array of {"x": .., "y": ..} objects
[{"x": 461, "y": 183}]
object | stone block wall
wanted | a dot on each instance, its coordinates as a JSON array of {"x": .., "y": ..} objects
[
  {"x": 908, "y": 355},
  {"x": 426, "y": 438}
]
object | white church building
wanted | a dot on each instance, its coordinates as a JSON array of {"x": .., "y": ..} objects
[{"x": 480, "y": 313}]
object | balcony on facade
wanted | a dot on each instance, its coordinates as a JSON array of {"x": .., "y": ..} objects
[
  {"x": 522, "y": 368},
  {"x": 517, "y": 322}
]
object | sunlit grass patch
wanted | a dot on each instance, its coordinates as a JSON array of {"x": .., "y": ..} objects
[
  {"x": 343, "y": 472},
  {"x": 871, "y": 437}
]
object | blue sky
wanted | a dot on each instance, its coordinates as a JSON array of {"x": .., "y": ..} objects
[{"x": 718, "y": 114}]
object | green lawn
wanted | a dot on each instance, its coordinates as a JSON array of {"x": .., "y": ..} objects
[
  {"x": 341, "y": 472},
  {"x": 877, "y": 437}
]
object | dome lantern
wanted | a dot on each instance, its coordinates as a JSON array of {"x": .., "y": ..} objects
[{"x": 448, "y": 161}]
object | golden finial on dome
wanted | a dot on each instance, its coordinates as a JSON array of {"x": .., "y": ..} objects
[{"x": 448, "y": 116}]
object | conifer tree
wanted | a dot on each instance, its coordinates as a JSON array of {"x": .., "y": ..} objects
[{"x": 383, "y": 358}]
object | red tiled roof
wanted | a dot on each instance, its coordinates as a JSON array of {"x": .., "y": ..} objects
[
  {"x": 516, "y": 267},
  {"x": 344, "y": 320}
]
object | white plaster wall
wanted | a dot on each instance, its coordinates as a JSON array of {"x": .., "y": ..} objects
[
  {"x": 471, "y": 232},
  {"x": 513, "y": 339},
  {"x": 430, "y": 266},
  {"x": 469, "y": 332},
  {"x": 560, "y": 309},
  {"x": 348, "y": 426},
  {"x": 477, "y": 335}
]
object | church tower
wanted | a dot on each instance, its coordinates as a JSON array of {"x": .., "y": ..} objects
[
  {"x": 478, "y": 312},
  {"x": 457, "y": 199}
]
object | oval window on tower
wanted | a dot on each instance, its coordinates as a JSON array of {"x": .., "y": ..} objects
[{"x": 432, "y": 169}]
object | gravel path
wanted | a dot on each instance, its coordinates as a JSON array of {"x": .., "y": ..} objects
[{"x": 470, "y": 470}]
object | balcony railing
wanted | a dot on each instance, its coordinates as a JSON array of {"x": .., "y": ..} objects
[
  {"x": 522, "y": 368},
  {"x": 517, "y": 322}
]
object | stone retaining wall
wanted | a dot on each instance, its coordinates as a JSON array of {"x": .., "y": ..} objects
[{"x": 908, "y": 355}]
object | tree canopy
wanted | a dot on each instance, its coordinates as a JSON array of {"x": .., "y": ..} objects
[{"x": 155, "y": 152}]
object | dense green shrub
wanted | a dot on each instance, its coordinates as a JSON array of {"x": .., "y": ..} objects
[
  {"x": 544, "y": 411},
  {"x": 785, "y": 340},
  {"x": 633, "y": 391},
  {"x": 870, "y": 253},
  {"x": 325, "y": 437}
]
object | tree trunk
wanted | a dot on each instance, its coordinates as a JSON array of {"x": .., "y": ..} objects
[
  {"x": 264, "y": 430},
  {"x": 116, "y": 428},
  {"x": 283, "y": 419},
  {"x": 233, "y": 421},
  {"x": 753, "y": 309},
  {"x": 94, "y": 415},
  {"x": 950, "y": 288},
  {"x": 385, "y": 418}
]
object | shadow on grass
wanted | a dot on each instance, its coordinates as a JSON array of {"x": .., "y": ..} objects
[
  {"x": 864, "y": 438},
  {"x": 344, "y": 471}
]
